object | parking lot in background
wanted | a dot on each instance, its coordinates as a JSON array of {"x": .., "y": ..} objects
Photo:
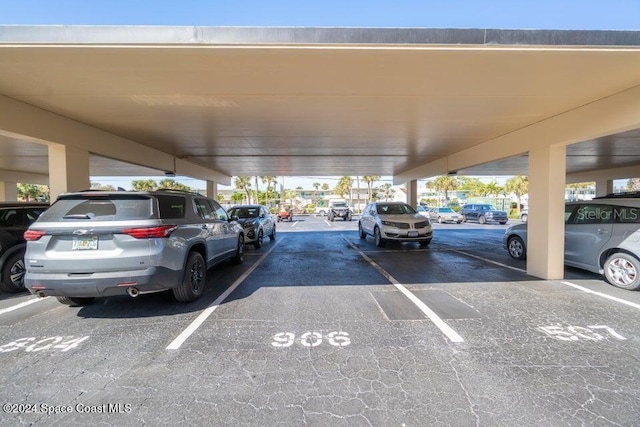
[{"x": 320, "y": 327}]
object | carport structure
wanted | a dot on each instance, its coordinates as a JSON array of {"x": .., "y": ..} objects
[{"x": 211, "y": 103}]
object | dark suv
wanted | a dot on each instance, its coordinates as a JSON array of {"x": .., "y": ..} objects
[
  {"x": 483, "y": 213},
  {"x": 97, "y": 244},
  {"x": 15, "y": 218}
]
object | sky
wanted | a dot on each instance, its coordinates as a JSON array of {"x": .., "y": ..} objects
[{"x": 501, "y": 14}]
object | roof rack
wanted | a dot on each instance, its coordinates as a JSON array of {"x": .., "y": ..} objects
[{"x": 622, "y": 195}]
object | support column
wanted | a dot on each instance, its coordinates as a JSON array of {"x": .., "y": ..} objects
[
  {"x": 212, "y": 190},
  {"x": 8, "y": 191},
  {"x": 412, "y": 193},
  {"x": 603, "y": 187},
  {"x": 68, "y": 170},
  {"x": 545, "y": 237}
]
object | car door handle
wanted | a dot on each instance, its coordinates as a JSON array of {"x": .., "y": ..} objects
[
  {"x": 602, "y": 231},
  {"x": 204, "y": 226}
]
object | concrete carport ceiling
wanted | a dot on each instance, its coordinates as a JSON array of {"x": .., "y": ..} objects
[{"x": 319, "y": 101}]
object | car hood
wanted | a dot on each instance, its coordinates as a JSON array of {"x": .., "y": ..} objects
[
  {"x": 246, "y": 220},
  {"x": 402, "y": 218}
]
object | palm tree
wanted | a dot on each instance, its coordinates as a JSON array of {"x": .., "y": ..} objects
[
  {"x": 268, "y": 180},
  {"x": 29, "y": 192},
  {"x": 325, "y": 186},
  {"x": 518, "y": 185},
  {"x": 244, "y": 183},
  {"x": 144, "y": 185},
  {"x": 493, "y": 189},
  {"x": 633, "y": 184},
  {"x": 370, "y": 179},
  {"x": 388, "y": 191},
  {"x": 173, "y": 185},
  {"x": 344, "y": 186},
  {"x": 444, "y": 184}
]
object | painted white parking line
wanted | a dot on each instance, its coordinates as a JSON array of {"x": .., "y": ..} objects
[
  {"x": 490, "y": 261},
  {"x": 294, "y": 224},
  {"x": 22, "y": 304},
  {"x": 441, "y": 324},
  {"x": 180, "y": 339},
  {"x": 620, "y": 300},
  {"x": 328, "y": 223}
]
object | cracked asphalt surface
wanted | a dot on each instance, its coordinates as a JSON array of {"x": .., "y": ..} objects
[{"x": 317, "y": 334}]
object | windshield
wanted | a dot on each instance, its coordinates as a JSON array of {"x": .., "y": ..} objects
[
  {"x": 101, "y": 208},
  {"x": 487, "y": 208},
  {"x": 244, "y": 212},
  {"x": 339, "y": 205},
  {"x": 446, "y": 210},
  {"x": 395, "y": 209}
]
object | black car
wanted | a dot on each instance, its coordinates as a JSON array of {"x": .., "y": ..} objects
[
  {"x": 483, "y": 213},
  {"x": 15, "y": 218}
]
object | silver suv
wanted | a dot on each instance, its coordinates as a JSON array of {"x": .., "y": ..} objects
[
  {"x": 601, "y": 235},
  {"x": 98, "y": 244},
  {"x": 394, "y": 221}
]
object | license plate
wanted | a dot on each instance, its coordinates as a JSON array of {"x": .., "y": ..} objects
[
  {"x": 412, "y": 234},
  {"x": 84, "y": 243}
]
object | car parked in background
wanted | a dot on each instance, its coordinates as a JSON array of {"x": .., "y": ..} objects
[
  {"x": 601, "y": 235},
  {"x": 444, "y": 215},
  {"x": 423, "y": 211},
  {"x": 285, "y": 214},
  {"x": 524, "y": 215},
  {"x": 483, "y": 213},
  {"x": 394, "y": 221},
  {"x": 256, "y": 222},
  {"x": 15, "y": 218},
  {"x": 97, "y": 244}
]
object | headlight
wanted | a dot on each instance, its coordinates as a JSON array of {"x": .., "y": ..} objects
[
  {"x": 249, "y": 224},
  {"x": 389, "y": 223}
]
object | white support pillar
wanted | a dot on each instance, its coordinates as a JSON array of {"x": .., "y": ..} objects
[
  {"x": 68, "y": 170},
  {"x": 8, "y": 191},
  {"x": 603, "y": 187},
  {"x": 545, "y": 237},
  {"x": 412, "y": 193},
  {"x": 212, "y": 190}
]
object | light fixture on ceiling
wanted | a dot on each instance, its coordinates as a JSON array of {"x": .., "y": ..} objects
[{"x": 452, "y": 173}]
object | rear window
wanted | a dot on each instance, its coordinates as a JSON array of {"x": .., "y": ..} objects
[
  {"x": 171, "y": 207},
  {"x": 100, "y": 208}
]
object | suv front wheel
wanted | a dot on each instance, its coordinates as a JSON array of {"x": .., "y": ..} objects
[
  {"x": 623, "y": 270},
  {"x": 239, "y": 256}
]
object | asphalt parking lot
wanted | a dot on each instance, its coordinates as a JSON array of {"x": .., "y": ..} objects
[{"x": 320, "y": 327}]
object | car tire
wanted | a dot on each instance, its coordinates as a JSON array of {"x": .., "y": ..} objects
[
  {"x": 377, "y": 237},
  {"x": 13, "y": 273},
  {"x": 350, "y": 216},
  {"x": 322, "y": 213},
  {"x": 238, "y": 257},
  {"x": 361, "y": 232},
  {"x": 272, "y": 236},
  {"x": 524, "y": 218},
  {"x": 623, "y": 271},
  {"x": 503, "y": 222},
  {"x": 74, "y": 301},
  {"x": 464, "y": 218},
  {"x": 258, "y": 243},
  {"x": 330, "y": 217},
  {"x": 425, "y": 242},
  {"x": 482, "y": 220},
  {"x": 517, "y": 248},
  {"x": 193, "y": 280},
  {"x": 439, "y": 220}
]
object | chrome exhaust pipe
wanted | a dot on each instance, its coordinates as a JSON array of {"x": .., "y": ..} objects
[
  {"x": 40, "y": 294},
  {"x": 133, "y": 292}
]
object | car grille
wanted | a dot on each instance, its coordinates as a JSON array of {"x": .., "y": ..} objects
[{"x": 421, "y": 224}]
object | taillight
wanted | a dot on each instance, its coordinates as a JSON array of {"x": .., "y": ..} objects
[
  {"x": 31, "y": 235},
  {"x": 150, "y": 232}
]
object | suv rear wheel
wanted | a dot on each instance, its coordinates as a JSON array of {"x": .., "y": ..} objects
[
  {"x": 623, "y": 270},
  {"x": 195, "y": 275},
  {"x": 13, "y": 273},
  {"x": 361, "y": 232}
]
